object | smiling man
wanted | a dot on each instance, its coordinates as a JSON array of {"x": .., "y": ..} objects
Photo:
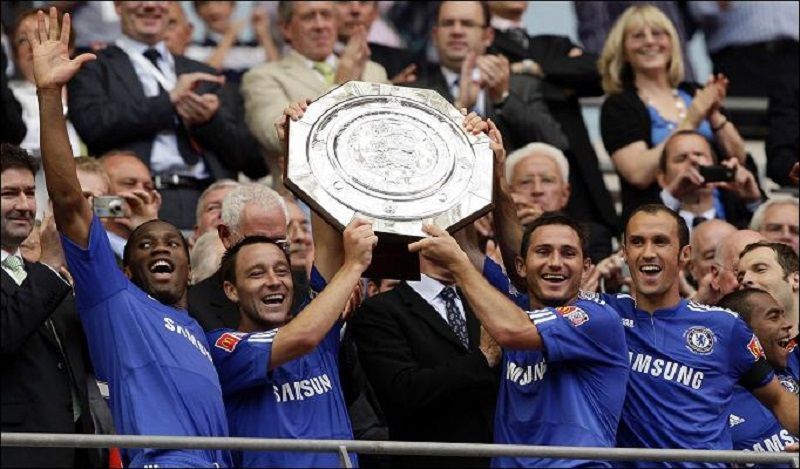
[
  {"x": 153, "y": 355},
  {"x": 685, "y": 357},
  {"x": 773, "y": 267}
]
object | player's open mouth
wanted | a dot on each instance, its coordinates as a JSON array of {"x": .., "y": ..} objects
[
  {"x": 274, "y": 299},
  {"x": 786, "y": 342},
  {"x": 161, "y": 269},
  {"x": 554, "y": 278},
  {"x": 650, "y": 269}
]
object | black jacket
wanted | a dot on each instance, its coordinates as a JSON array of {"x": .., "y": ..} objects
[{"x": 429, "y": 386}]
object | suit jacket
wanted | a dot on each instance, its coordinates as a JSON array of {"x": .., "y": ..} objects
[
  {"x": 523, "y": 117},
  {"x": 430, "y": 387},
  {"x": 393, "y": 59},
  {"x": 566, "y": 79},
  {"x": 269, "y": 88},
  {"x": 37, "y": 376},
  {"x": 109, "y": 110}
]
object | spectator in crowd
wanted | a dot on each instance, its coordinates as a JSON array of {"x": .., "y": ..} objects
[
  {"x": 783, "y": 140},
  {"x": 298, "y": 233},
  {"x": 174, "y": 389},
  {"x": 130, "y": 179},
  {"x": 432, "y": 368},
  {"x": 723, "y": 270},
  {"x": 778, "y": 221},
  {"x": 46, "y": 373},
  {"x": 595, "y": 20},
  {"x": 471, "y": 79},
  {"x": 209, "y": 206},
  {"x": 14, "y": 129},
  {"x": 685, "y": 190},
  {"x": 97, "y": 24},
  {"x": 180, "y": 31},
  {"x": 308, "y": 69},
  {"x": 704, "y": 241},
  {"x": 25, "y": 89},
  {"x": 579, "y": 339},
  {"x": 247, "y": 210},
  {"x": 166, "y": 109},
  {"x": 567, "y": 73},
  {"x": 222, "y": 48},
  {"x": 287, "y": 367},
  {"x": 538, "y": 176},
  {"x": 205, "y": 256},
  {"x": 642, "y": 69},
  {"x": 773, "y": 268},
  {"x": 753, "y": 426},
  {"x": 754, "y": 44},
  {"x": 351, "y": 16},
  {"x": 92, "y": 177},
  {"x": 703, "y": 353}
]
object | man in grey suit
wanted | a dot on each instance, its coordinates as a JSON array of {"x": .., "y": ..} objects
[
  {"x": 308, "y": 69},
  {"x": 471, "y": 78}
]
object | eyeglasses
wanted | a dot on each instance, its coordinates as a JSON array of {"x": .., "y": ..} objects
[{"x": 466, "y": 24}]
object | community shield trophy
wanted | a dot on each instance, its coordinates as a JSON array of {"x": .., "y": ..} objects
[{"x": 398, "y": 156}]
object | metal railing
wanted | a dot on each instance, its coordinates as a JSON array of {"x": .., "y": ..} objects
[{"x": 343, "y": 447}]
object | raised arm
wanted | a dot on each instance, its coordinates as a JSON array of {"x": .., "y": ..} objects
[
  {"x": 504, "y": 321},
  {"x": 52, "y": 69},
  {"x": 783, "y": 404},
  {"x": 307, "y": 330}
]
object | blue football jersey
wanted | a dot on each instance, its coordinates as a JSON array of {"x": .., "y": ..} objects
[
  {"x": 753, "y": 426},
  {"x": 685, "y": 361},
  {"x": 571, "y": 392},
  {"x": 299, "y": 399},
  {"x": 155, "y": 359}
]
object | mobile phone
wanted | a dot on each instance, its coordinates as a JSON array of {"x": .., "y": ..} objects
[
  {"x": 108, "y": 206},
  {"x": 716, "y": 173}
]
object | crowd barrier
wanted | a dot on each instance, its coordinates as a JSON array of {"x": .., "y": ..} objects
[{"x": 343, "y": 447}]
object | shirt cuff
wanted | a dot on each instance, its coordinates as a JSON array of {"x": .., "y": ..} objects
[{"x": 669, "y": 200}]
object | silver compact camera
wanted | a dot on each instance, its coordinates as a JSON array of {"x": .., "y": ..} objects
[{"x": 109, "y": 206}]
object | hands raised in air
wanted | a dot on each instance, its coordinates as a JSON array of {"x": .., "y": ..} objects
[{"x": 52, "y": 67}]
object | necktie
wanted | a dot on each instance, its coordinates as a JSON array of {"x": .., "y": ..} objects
[
  {"x": 520, "y": 36},
  {"x": 697, "y": 220},
  {"x": 15, "y": 268},
  {"x": 152, "y": 55},
  {"x": 454, "y": 317},
  {"x": 327, "y": 72}
]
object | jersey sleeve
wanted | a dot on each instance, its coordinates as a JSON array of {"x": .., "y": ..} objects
[
  {"x": 242, "y": 359},
  {"x": 585, "y": 331},
  {"x": 747, "y": 360},
  {"x": 94, "y": 269},
  {"x": 494, "y": 274}
]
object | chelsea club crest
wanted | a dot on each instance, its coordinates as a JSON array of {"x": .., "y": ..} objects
[{"x": 699, "y": 339}]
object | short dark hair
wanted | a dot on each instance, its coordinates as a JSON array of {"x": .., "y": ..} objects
[
  {"x": 662, "y": 159},
  {"x": 487, "y": 14},
  {"x": 227, "y": 265},
  {"x": 555, "y": 218},
  {"x": 784, "y": 254},
  {"x": 739, "y": 302},
  {"x": 14, "y": 157},
  {"x": 652, "y": 209},
  {"x": 126, "y": 252}
]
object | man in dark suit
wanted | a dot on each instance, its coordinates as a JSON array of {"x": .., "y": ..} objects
[
  {"x": 167, "y": 109},
  {"x": 45, "y": 371},
  {"x": 685, "y": 191},
  {"x": 432, "y": 368},
  {"x": 567, "y": 73},
  {"x": 480, "y": 82},
  {"x": 247, "y": 210}
]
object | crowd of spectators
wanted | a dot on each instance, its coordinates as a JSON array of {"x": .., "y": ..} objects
[{"x": 159, "y": 278}]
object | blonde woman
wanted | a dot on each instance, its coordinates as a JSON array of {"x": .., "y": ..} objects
[{"x": 642, "y": 68}]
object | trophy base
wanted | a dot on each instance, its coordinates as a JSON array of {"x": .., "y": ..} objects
[{"x": 391, "y": 259}]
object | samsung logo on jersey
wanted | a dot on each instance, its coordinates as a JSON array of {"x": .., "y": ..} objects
[
  {"x": 525, "y": 375},
  {"x": 667, "y": 370},
  {"x": 299, "y": 390},
  {"x": 178, "y": 329},
  {"x": 774, "y": 443}
]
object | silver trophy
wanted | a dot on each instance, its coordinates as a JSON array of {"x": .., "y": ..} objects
[{"x": 398, "y": 156}]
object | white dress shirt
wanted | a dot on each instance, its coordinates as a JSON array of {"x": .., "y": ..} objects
[{"x": 429, "y": 289}]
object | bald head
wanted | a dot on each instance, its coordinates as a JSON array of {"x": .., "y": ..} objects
[
  {"x": 705, "y": 239},
  {"x": 726, "y": 259}
]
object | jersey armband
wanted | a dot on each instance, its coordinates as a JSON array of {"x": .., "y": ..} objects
[{"x": 754, "y": 378}]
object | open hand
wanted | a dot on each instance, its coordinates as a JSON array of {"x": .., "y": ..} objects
[
  {"x": 52, "y": 67},
  {"x": 293, "y": 112}
]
